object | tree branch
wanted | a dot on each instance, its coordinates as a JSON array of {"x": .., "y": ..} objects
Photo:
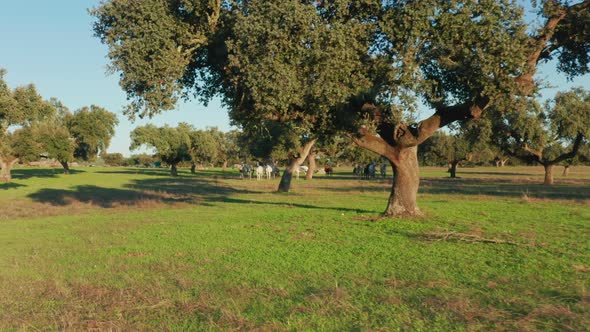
[{"x": 572, "y": 153}]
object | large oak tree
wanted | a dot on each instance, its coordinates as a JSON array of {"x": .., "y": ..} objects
[{"x": 341, "y": 66}]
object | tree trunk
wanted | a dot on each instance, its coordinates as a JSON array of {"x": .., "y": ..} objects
[
  {"x": 174, "y": 170},
  {"x": 285, "y": 184},
  {"x": 6, "y": 165},
  {"x": 406, "y": 180},
  {"x": 548, "y": 174},
  {"x": 66, "y": 167},
  {"x": 224, "y": 165},
  {"x": 453, "y": 168},
  {"x": 193, "y": 168},
  {"x": 503, "y": 162},
  {"x": 311, "y": 164},
  {"x": 566, "y": 170}
]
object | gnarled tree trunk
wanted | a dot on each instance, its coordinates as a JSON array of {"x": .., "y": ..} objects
[
  {"x": 6, "y": 163},
  {"x": 173, "y": 170},
  {"x": 311, "y": 165},
  {"x": 566, "y": 170},
  {"x": 453, "y": 168},
  {"x": 66, "y": 167},
  {"x": 548, "y": 174},
  {"x": 285, "y": 184},
  {"x": 406, "y": 180}
]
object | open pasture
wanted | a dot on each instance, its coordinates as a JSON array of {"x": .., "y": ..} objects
[{"x": 136, "y": 249}]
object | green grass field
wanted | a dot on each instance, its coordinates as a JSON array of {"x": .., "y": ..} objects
[{"x": 135, "y": 249}]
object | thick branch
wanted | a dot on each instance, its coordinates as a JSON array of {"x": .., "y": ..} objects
[
  {"x": 572, "y": 153},
  {"x": 540, "y": 49},
  {"x": 376, "y": 144}
]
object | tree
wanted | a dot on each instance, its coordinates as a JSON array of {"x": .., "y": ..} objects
[
  {"x": 171, "y": 144},
  {"x": 547, "y": 136},
  {"x": 20, "y": 109},
  {"x": 92, "y": 129},
  {"x": 204, "y": 147},
  {"x": 114, "y": 159},
  {"x": 355, "y": 67}
]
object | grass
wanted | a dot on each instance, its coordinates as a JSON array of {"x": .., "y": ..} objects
[{"x": 135, "y": 249}]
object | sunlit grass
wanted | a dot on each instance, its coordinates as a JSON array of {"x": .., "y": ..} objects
[{"x": 135, "y": 249}]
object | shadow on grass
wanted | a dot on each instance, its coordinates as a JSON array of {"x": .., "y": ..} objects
[
  {"x": 11, "y": 185},
  {"x": 182, "y": 172},
  {"x": 505, "y": 188},
  {"x": 27, "y": 173},
  {"x": 490, "y": 187},
  {"x": 191, "y": 190},
  {"x": 291, "y": 205}
]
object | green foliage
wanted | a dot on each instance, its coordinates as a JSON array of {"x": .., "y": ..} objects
[
  {"x": 142, "y": 159},
  {"x": 206, "y": 145},
  {"x": 56, "y": 141},
  {"x": 151, "y": 44},
  {"x": 171, "y": 144},
  {"x": 114, "y": 159},
  {"x": 547, "y": 134},
  {"x": 21, "y": 110},
  {"x": 92, "y": 129}
]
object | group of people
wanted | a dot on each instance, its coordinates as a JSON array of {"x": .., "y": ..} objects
[{"x": 369, "y": 170}]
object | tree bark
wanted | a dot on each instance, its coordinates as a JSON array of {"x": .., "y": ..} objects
[
  {"x": 566, "y": 170},
  {"x": 6, "y": 164},
  {"x": 285, "y": 184},
  {"x": 406, "y": 180},
  {"x": 173, "y": 170},
  {"x": 311, "y": 164},
  {"x": 548, "y": 174},
  {"x": 193, "y": 168},
  {"x": 66, "y": 167},
  {"x": 453, "y": 168},
  {"x": 224, "y": 165}
]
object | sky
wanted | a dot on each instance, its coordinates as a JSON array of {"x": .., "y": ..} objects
[{"x": 51, "y": 44}]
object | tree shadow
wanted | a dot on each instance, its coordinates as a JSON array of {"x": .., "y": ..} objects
[
  {"x": 291, "y": 205},
  {"x": 475, "y": 186},
  {"x": 162, "y": 190},
  {"x": 505, "y": 188},
  {"x": 27, "y": 173},
  {"x": 11, "y": 185},
  {"x": 103, "y": 197}
]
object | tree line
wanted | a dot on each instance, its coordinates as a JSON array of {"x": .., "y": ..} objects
[{"x": 32, "y": 128}]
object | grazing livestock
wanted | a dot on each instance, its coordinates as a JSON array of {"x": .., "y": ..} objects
[
  {"x": 268, "y": 171},
  {"x": 328, "y": 169},
  {"x": 245, "y": 171},
  {"x": 259, "y": 172},
  {"x": 301, "y": 169}
]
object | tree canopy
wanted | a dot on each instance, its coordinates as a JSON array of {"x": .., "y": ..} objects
[{"x": 351, "y": 67}]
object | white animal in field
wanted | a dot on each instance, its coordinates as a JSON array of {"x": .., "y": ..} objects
[
  {"x": 268, "y": 171},
  {"x": 301, "y": 169},
  {"x": 259, "y": 172}
]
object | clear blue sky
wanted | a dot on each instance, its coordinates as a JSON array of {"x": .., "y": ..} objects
[{"x": 50, "y": 44}]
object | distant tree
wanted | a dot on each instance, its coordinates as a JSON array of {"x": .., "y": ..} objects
[
  {"x": 549, "y": 135},
  {"x": 204, "y": 147},
  {"x": 448, "y": 149},
  {"x": 113, "y": 159},
  {"x": 20, "y": 109},
  {"x": 142, "y": 159},
  {"x": 92, "y": 129},
  {"x": 171, "y": 144}
]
